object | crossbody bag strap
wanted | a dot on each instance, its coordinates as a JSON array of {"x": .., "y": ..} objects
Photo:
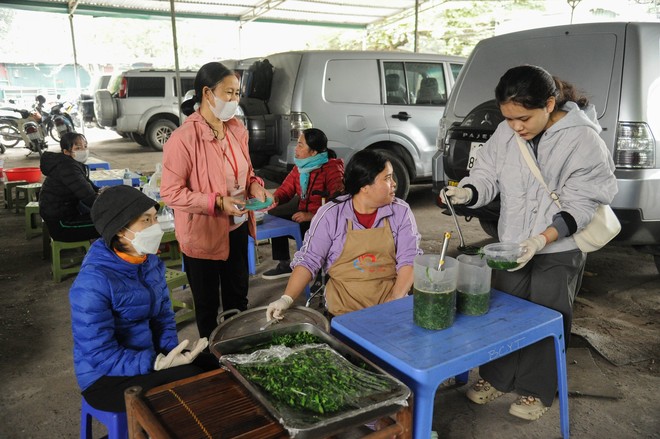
[{"x": 536, "y": 172}]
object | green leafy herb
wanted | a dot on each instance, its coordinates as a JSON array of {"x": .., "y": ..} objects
[
  {"x": 501, "y": 265},
  {"x": 472, "y": 304},
  {"x": 315, "y": 379},
  {"x": 434, "y": 310}
]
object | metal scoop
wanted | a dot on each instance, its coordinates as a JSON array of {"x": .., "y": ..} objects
[{"x": 465, "y": 249}]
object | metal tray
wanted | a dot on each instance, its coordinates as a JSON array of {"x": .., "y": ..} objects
[{"x": 305, "y": 425}]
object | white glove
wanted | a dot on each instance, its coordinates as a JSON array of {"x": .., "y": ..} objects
[
  {"x": 458, "y": 195},
  {"x": 276, "y": 309},
  {"x": 530, "y": 246},
  {"x": 176, "y": 357}
]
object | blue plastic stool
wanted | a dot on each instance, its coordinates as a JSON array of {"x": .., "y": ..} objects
[{"x": 115, "y": 422}]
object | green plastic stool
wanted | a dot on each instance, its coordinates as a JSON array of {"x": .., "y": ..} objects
[
  {"x": 176, "y": 279},
  {"x": 56, "y": 247},
  {"x": 32, "y": 224},
  {"x": 9, "y": 194},
  {"x": 169, "y": 250},
  {"x": 30, "y": 192}
]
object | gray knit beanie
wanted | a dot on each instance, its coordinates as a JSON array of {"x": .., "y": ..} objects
[{"x": 116, "y": 207}]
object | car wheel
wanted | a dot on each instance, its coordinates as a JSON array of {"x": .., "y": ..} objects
[
  {"x": 158, "y": 132},
  {"x": 9, "y": 136},
  {"x": 139, "y": 139},
  {"x": 489, "y": 227},
  {"x": 400, "y": 174}
]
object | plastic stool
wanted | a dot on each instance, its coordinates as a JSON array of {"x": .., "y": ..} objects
[
  {"x": 115, "y": 422},
  {"x": 56, "y": 248},
  {"x": 176, "y": 279},
  {"x": 32, "y": 224},
  {"x": 169, "y": 252},
  {"x": 30, "y": 192},
  {"x": 9, "y": 194}
]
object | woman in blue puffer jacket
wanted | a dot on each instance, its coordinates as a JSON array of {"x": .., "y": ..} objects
[{"x": 123, "y": 325}]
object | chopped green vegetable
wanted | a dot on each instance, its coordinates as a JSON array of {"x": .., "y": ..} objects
[
  {"x": 295, "y": 339},
  {"x": 314, "y": 378},
  {"x": 501, "y": 265},
  {"x": 432, "y": 310},
  {"x": 472, "y": 304}
]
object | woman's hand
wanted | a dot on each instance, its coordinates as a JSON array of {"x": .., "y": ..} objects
[
  {"x": 230, "y": 205},
  {"x": 301, "y": 217},
  {"x": 259, "y": 192}
]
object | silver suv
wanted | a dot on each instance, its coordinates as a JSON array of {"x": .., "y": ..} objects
[
  {"x": 142, "y": 104},
  {"x": 617, "y": 66}
]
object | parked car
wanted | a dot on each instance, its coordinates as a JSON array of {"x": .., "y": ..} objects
[
  {"x": 86, "y": 100},
  {"x": 614, "y": 64},
  {"x": 143, "y": 103},
  {"x": 390, "y": 101}
]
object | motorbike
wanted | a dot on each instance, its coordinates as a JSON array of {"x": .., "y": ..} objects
[
  {"x": 59, "y": 121},
  {"x": 26, "y": 128}
]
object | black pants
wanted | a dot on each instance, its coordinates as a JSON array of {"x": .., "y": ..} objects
[
  {"x": 551, "y": 280},
  {"x": 107, "y": 393},
  {"x": 210, "y": 278},
  {"x": 78, "y": 229},
  {"x": 280, "y": 245}
]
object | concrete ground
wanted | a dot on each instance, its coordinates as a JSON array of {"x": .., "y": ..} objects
[{"x": 613, "y": 397}]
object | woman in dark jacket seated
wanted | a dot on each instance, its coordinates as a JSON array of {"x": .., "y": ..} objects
[{"x": 67, "y": 194}]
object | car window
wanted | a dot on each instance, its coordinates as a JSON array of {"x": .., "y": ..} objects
[
  {"x": 455, "y": 69},
  {"x": 396, "y": 91},
  {"x": 146, "y": 87},
  {"x": 186, "y": 84},
  {"x": 419, "y": 83}
]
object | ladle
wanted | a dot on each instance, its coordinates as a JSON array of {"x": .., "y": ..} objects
[{"x": 465, "y": 249}]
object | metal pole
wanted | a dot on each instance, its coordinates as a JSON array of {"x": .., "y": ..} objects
[
  {"x": 72, "y": 9},
  {"x": 416, "y": 45},
  {"x": 176, "y": 60}
]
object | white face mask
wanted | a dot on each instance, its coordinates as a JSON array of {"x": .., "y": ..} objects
[
  {"x": 81, "y": 156},
  {"x": 147, "y": 241},
  {"x": 223, "y": 110}
]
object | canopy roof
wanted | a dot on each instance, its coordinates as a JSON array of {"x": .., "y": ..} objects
[{"x": 336, "y": 13}]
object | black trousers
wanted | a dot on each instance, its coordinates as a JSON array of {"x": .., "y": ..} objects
[
  {"x": 107, "y": 393},
  {"x": 78, "y": 229},
  {"x": 551, "y": 280},
  {"x": 209, "y": 279},
  {"x": 280, "y": 245}
]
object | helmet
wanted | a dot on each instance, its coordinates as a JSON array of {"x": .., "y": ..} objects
[{"x": 40, "y": 99}]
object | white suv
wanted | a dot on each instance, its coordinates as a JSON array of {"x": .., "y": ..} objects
[{"x": 143, "y": 104}]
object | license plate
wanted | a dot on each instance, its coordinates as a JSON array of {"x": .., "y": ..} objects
[{"x": 474, "y": 147}]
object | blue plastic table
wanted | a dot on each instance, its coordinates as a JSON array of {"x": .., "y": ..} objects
[
  {"x": 273, "y": 227},
  {"x": 424, "y": 358},
  {"x": 94, "y": 164}
]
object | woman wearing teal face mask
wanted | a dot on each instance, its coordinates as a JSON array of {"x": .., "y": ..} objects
[
  {"x": 67, "y": 194},
  {"x": 317, "y": 176}
]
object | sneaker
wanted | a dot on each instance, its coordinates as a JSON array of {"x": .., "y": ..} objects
[
  {"x": 528, "y": 407},
  {"x": 482, "y": 392},
  {"x": 281, "y": 270}
]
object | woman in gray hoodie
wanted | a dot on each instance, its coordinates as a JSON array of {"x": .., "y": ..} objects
[{"x": 559, "y": 128}]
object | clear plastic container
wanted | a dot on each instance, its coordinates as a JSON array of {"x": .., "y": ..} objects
[
  {"x": 473, "y": 285},
  {"x": 166, "y": 218},
  {"x": 434, "y": 299},
  {"x": 502, "y": 255}
]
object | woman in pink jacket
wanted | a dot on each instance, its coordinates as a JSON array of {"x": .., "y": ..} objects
[{"x": 207, "y": 174}]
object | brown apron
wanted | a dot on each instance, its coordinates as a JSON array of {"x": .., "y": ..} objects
[{"x": 365, "y": 272}]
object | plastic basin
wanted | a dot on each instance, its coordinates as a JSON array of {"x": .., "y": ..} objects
[{"x": 31, "y": 175}]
